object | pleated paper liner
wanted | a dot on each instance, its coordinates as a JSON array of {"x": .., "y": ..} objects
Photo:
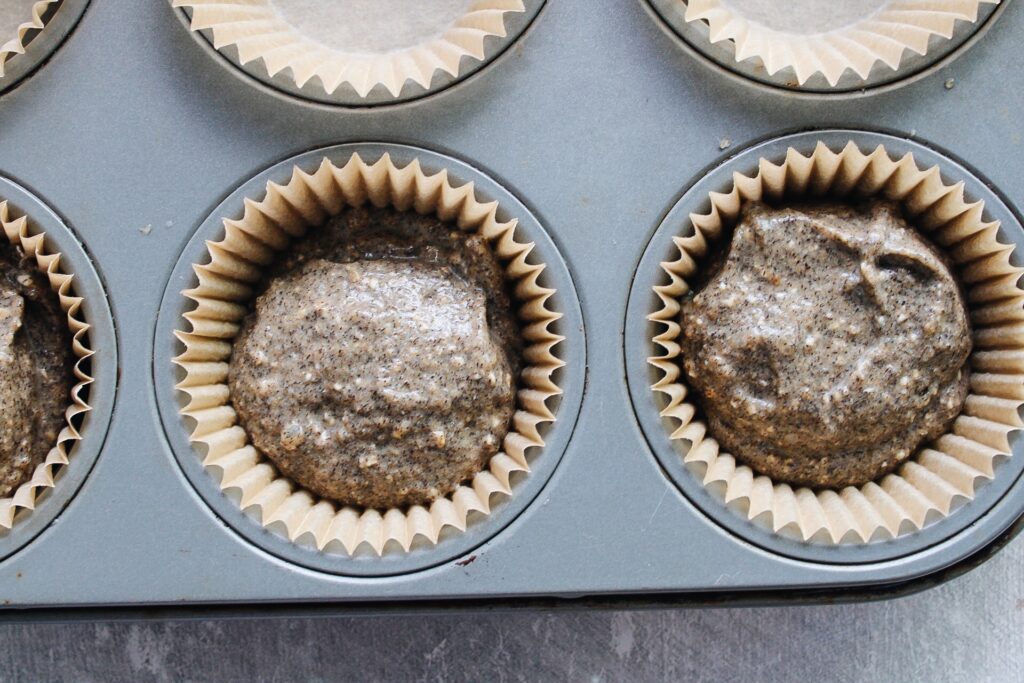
[
  {"x": 33, "y": 243},
  {"x": 830, "y": 37},
  {"x": 941, "y": 475},
  {"x": 224, "y": 286},
  {"x": 378, "y": 56},
  {"x": 17, "y": 19}
]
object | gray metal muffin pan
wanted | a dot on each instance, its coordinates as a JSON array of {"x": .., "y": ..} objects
[
  {"x": 598, "y": 122},
  {"x": 556, "y": 436},
  {"x": 639, "y": 347}
]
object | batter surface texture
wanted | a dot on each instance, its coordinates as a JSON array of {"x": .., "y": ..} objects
[
  {"x": 36, "y": 368},
  {"x": 828, "y": 344},
  {"x": 379, "y": 366}
]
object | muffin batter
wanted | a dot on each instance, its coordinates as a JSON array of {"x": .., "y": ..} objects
[
  {"x": 828, "y": 344},
  {"x": 36, "y": 368},
  {"x": 379, "y": 366}
]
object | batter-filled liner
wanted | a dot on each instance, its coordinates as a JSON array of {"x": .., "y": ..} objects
[
  {"x": 294, "y": 36},
  {"x": 814, "y": 36},
  {"x": 17, "y": 19},
  {"x": 224, "y": 287},
  {"x": 33, "y": 244},
  {"x": 940, "y": 475}
]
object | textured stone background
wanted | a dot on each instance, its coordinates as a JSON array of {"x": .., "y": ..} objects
[{"x": 971, "y": 629}]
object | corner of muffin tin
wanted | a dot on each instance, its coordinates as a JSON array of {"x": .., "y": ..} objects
[
  {"x": 65, "y": 18},
  {"x": 641, "y": 375},
  {"x": 87, "y": 283},
  {"x": 571, "y": 378},
  {"x": 255, "y": 73},
  {"x": 721, "y": 56}
]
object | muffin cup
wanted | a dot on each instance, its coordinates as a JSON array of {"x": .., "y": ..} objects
[
  {"x": 43, "y": 477},
  {"x": 799, "y": 50},
  {"x": 224, "y": 286},
  {"x": 259, "y": 32},
  {"x": 942, "y": 474},
  {"x": 18, "y": 18}
]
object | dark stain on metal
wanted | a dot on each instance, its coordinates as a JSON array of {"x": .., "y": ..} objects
[{"x": 466, "y": 562}]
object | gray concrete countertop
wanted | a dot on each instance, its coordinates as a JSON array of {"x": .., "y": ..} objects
[{"x": 971, "y": 629}]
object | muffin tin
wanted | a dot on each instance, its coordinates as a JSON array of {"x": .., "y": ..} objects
[{"x": 593, "y": 126}]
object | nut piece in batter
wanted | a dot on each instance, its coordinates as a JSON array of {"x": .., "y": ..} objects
[
  {"x": 36, "y": 364},
  {"x": 375, "y": 369},
  {"x": 829, "y": 345}
]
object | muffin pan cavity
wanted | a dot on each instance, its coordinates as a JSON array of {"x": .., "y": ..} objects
[
  {"x": 304, "y": 528},
  {"x": 949, "y": 483},
  {"x": 37, "y": 230}
]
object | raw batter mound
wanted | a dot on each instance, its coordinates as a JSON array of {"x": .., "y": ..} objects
[
  {"x": 828, "y": 345},
  {"x": 379, "y": 366},
  {"x": 36, "y": 368}
]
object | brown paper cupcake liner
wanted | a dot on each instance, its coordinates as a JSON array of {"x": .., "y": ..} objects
[
  {"x": 259, "y": 32},
  {"x": 943, "y": 473},
  {"x": 33, "y": 20},
  {"x": 883, "y": 35},
  {"x": 43, "y": 477},
  {"x": 225, "y": 286}
]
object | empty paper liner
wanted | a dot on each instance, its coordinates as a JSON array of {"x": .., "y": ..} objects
[
  {"x": 361, "y": 43},
  {"x": 826, "y": 37},
  {"x": 940, "y": 475}
]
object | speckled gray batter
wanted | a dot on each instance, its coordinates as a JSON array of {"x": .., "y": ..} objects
[
  {"x": 379, "y": 366},
  {"x": 829, "y": 345},
  {"x": 35, "y": 369}
]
